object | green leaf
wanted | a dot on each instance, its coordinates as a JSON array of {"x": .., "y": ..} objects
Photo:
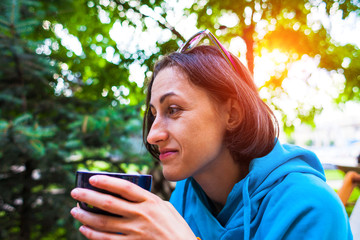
[
  {"x": 10, "y": 99},
  {"x": 73, "y": 144},
  {"x": 22, "y": 119},
  {"x": 38, "y": 147},
  {"x": 3, "y": 125}
]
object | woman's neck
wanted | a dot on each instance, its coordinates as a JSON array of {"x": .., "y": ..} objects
[{"x": 220, "y": 178}]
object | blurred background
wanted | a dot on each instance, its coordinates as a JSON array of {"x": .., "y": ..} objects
[{"x": 72, "y": 76}]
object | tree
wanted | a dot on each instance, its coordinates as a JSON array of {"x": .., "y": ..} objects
[
  {"x": 59, "y": 112},
  {"x": 286, "y": 26}
]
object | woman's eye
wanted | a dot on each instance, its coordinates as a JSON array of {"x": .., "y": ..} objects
[{"x": 173, "y": 110}]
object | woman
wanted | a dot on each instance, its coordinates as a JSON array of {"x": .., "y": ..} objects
[{"x": 213, "y": 134}]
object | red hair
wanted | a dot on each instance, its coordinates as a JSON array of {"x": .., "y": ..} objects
[{"x": 205, "y": 67}]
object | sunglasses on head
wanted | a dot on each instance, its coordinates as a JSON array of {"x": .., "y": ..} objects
[{"x": 194, "y": 41}]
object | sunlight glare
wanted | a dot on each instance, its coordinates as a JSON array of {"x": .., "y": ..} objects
[{"x": 268, "y": 65}]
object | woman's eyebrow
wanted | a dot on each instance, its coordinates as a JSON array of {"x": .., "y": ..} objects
[{"x": 163, "y": 97}]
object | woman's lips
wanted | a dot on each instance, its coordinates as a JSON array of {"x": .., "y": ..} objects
[{"x": 166, "y": 154}]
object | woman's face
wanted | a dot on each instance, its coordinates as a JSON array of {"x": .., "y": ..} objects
[{"x": 189, "y": 127}]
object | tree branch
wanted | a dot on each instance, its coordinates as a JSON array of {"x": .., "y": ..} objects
[{"x": 165, "y": 25}]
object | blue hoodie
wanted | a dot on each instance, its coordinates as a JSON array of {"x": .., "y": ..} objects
[{"x": 284, "y": 196}]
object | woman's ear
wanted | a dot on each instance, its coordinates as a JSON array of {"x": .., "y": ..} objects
[{"x": 234, "y": 114}]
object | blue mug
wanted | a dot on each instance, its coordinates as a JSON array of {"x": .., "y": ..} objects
[{"x": 82, "y": 181}]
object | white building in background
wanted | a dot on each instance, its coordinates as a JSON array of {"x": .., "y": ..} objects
[{"x": 336, "y": 138}]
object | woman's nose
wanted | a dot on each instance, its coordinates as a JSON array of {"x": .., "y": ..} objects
[{"x": 158, "y": 132}]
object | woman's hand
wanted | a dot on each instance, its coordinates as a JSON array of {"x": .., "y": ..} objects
[{"x": 144, "y": 215}]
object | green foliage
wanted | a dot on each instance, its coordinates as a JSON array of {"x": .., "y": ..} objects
[
  {"x": 55, "y": 117},
  {"x": 309, "y": 142},
  {"x": 352, "y": 200},
  {"x": 338, "y": 175},
  {"x": 286, "y": 26}
]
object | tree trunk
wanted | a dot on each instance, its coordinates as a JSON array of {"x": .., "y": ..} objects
[
  {"x": 25, "y": 211},
  {"x": 249, "y": 41}
]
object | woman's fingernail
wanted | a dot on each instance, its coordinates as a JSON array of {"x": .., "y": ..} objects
[
  {"x": 83, "y": 228},
  {"x": 75, "y": 193},
  {"x": 74, "y": 212},
  {"x": 93, "y": 180}
]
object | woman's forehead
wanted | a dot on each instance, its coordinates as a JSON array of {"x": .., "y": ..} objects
[
  {"x": 173, "y": 82},
  {"x": 170, "y": 79}
]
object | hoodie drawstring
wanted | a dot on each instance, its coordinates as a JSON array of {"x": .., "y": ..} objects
[{"x": 247, "y": 209}]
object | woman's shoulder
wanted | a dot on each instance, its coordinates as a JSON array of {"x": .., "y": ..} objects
[
  {"x": 303, "y": 205},
  {"x": 307, "y": 191}
]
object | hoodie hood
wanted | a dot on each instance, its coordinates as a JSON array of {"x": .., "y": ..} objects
[
  {"x": 264, "y": 174},
  {"x": 240, "y": 213}
]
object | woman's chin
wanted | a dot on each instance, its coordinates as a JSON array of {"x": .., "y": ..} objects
[{"x": 173, "y": 176}]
